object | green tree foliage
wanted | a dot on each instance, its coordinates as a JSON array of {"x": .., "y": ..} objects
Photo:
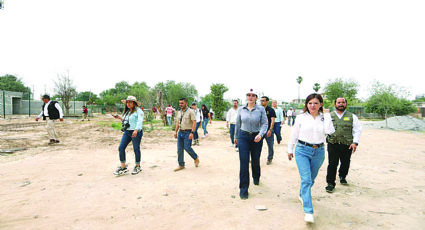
[
  {"x": 12, "y": 83},
  {"x": 388, "y": 99},
  {"x": 340, "y": 88},
  {"x": 316, "y": 87},
  {"x": 116, "y": 94},
  {"x": 173, "y": 91},
  {"x": 88, "y": 97},
  {"x": 218, "y": 104}
]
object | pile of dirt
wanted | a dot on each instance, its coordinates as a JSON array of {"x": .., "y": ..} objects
[{"x": 399, "y": 123}]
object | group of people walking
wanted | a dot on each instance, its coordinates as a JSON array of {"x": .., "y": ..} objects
[{"x": 248, "y": 126}]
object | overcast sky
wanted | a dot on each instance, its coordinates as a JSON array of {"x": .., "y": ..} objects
[{"x": 264, "y": 45}]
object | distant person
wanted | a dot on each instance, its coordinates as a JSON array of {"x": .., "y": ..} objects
[
  {"x": 51, "y": 112},
  {"x": 342, "y": 143},
  {"x": 269, "y": 136},
  {"x": 309, "y": 134},
  {"x": 278, "y": 122},
  {"x": 293, "y": 116},
  {"x": 185, "y": 129},
  {"x": 169, "y": 112},
  {"x": 289, "y": 114},
  {"x": 251, "y": 126},
  {"x": 85, "y": 113},
  {"x": 199, "y": 119},
  {"x": 207, "y": 117},
  {"x": 211, "y": 113},
  {"x": 132, "y": 124},
  {"x": 231, "y": 122}
]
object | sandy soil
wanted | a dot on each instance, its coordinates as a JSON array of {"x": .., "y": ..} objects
[{"x": 71, "y": 185}]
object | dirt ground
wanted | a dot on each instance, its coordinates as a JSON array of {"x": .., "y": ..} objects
[{"x": 71, "y": 186}]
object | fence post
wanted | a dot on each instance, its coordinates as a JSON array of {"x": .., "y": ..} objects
[{"x": 4, "y": 105}]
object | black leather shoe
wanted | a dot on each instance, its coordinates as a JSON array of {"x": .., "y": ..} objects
[
  {"x": 343, "y": 181},
  {"x": 330, "y": 188},
  {"x": 257, "y": 182}
]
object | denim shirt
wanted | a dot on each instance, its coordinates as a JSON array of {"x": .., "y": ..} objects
[
  {"x": 251, "y": 121},
  {"x": 135, "y": 119}
]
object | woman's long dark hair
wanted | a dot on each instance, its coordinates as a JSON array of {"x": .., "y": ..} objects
[
  {"x": 309, "y": 98},
  {"x": 131, "y": 110},
  {"x": 204, "y": 107}
]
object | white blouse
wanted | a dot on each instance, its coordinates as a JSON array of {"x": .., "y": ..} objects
[{"x": 310, "y": 130}]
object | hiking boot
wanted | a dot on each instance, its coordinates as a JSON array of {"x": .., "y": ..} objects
[
  {"x": 57, "y": 141},
  {"x": 197, "y": 162},
  {"x": 269, "y": 162},
  {"x": 330, "y": 188},
  {"x": 136, "y": 170},
  {"x": 120, "y": 171},
  {"x": 343, "y": 181},
  {"x": 52, "y": 141}
]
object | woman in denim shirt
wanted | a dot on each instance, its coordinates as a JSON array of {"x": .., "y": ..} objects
[
  {"x": 132, "y": 123},
  {"x": 251, "y": 126}
]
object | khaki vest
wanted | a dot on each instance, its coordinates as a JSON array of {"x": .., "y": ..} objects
[{"x": 343, "y": 129}]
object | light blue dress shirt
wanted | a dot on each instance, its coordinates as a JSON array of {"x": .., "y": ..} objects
[{"x": 135, "y": 119}]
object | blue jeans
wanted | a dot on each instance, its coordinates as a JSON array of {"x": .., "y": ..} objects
[
  {"x": 247, "y": 148},
  {"x": 169, "y": 120},
  {"x": 125, "y": 140},
  {"x": 309, "y": 161},
  {"x": 204, "y": 125},
  {"x": 293, "y": 120},
  {"x": 195, "y": 135},
  {"x": 183, "y": 142},
  {"x": 276, "y": 131},
  {"x": 232, "y": 133},
  {"x": 270, "y": 142}
]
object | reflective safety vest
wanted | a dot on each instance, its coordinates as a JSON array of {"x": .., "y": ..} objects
[{"x": 343, "y": 129}]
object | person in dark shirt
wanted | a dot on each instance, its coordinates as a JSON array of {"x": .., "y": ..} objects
[{"x": 271, "y": 116}]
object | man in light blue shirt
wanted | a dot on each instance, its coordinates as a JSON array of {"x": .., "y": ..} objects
[{"x": 278, "y": 121}]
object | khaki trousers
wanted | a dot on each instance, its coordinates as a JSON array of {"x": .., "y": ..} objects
[{"x": 50, "y": 126}]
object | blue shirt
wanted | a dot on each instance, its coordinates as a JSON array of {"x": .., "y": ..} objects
[
  {"x": 135, "y": 119},
  {"x": 251, "y": 121},
  {"x": 279, "y": 115}
]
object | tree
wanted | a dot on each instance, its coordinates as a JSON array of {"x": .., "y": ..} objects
[
  {"x": 388, "y": 99},
  {"x": 316, "y": 87},
  {"x": 340, "y": 88},
  {"x": 88, "y": 97},
  {"x": 299, "y": 80},
  {"x": 11, "y": 83},
  {"x": 65, "y": 90},
  {"x": 218, "y": 104},
  {"x": 172, "y": 92}
]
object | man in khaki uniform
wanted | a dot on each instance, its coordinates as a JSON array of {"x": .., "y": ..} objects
[{"x": 185, "y": 128}]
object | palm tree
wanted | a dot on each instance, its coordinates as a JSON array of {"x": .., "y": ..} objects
[
  {"x": 299, "y": 80},
  {"x": 316, "y": 87}
]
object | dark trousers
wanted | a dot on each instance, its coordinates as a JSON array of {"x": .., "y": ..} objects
[
  {"x": 270, "y": 142},
  {"x": 232, "y": 133},
  {"x": 195, "y": 135},
  {"x": 248, "y": 148},
  {"x": 276, "y": 131},
  {"x": 337, "y": 153}
]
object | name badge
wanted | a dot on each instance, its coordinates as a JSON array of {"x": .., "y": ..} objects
[{"x": 346, "y": 119}]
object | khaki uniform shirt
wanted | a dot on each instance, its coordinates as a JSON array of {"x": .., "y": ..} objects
[{"x": 186, "y": 121}]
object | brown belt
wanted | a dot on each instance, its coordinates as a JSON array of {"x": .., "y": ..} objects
[
  {"x": 314, "y": 146},
  {"x": 185, "y": 130}
]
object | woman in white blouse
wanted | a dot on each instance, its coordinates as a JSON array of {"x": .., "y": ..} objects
[{"x": 309, "y": 135}]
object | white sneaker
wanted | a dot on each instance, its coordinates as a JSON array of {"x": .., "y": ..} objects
[
  {"x": 237, "y": 150},
  {"x": 203, "y": 136},
  {"x": 231, "y": 145},
  {"x": 309, "y": 218}
]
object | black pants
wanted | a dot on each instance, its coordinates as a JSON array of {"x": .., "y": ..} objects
[{"x": 336, "y": 153}]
